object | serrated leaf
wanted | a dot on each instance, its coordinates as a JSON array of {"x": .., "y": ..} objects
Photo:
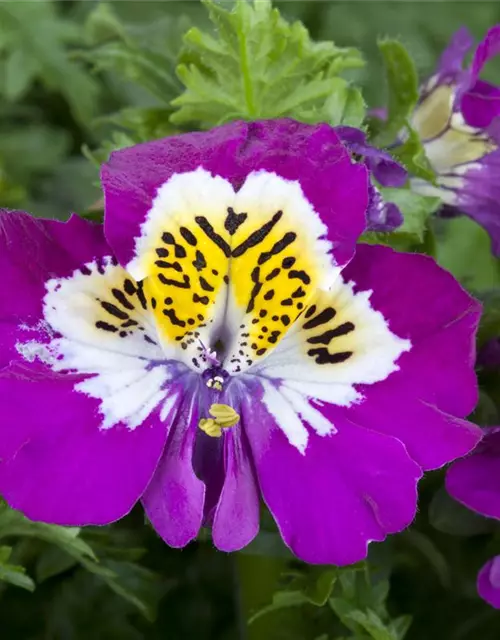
[
  {"x": 257, "y": 66},
  {"x": 345, "y": 105},
  {"x": 13, "y": 574},
  {"x": 372, "y": 623},
  {"x": 143, "y": 55}
]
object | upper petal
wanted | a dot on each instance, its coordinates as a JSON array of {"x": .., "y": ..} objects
[{"x": 312, "y": 155}]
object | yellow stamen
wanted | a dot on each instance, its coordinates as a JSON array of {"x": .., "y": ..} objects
[{"x": 224, "y": 417}]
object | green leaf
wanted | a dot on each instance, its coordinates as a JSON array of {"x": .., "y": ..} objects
[
  {"x": 142, "y": 55},
  {"x": 345, "y": 105},
  {"x": 402, "y": 81},
  {"x": 449, "y": 516},
  {"x": 464, "y": 248},
  {"x": 281, "y": 600},
  {"x": 20, "y": 71},
  {"x": 259, "y": 66},
  {"x": 411, "y": 154},
  {"x": 14, "y": 574},
  {"x": 371, "y": 622},
  {"x": 319, "y": 584},
  {"x": 416, "y": 210},
  {"x": 414, "y": 233},
  {"x": 39, "y": 35}
]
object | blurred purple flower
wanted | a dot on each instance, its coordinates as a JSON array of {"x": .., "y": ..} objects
[{"x": 458, "y": 120}]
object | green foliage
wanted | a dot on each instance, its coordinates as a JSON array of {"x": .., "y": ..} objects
[
  {"x": 259, "y": 66},
  {"x": 33, "y": 43},
  {"x": 402, "y": 85},
  {"x": 68, "y": 548}
]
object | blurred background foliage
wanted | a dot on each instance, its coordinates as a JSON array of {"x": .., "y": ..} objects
[{"x": 79, "y": 78}]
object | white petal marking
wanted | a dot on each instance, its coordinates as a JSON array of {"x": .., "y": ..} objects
[{"x": 285, "y": 416}]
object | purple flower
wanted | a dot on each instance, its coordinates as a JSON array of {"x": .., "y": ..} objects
[
  {"x": 380, "y": 215},
  {"x": 458, "y": 121},
  {"x": 218, "y": 343},
  {"x": 475, "y": 482}
]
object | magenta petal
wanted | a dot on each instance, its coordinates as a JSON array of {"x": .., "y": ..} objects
[
  {"x": 475, "y": 480},
  {"x": 349, "y": 488},
  {"x": 313, "y": 155},
  {"x": 236, "y": 521},
  {"x": 174, "y": 498},
  {"x": 57, "y": 465},
  {"x": 31, "y": 252},
  {"x": 431, "y": 437},
  {"x": 481, "y": 104},
  {"x": 488, "y": 582},
  {"x": 425, "y": 304}
]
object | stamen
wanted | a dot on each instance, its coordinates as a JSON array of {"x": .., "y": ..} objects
[{"x": 224, "y": 417}]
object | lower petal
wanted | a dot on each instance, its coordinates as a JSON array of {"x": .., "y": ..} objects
[
  {"x": 347, "y": 489},
  {"x": 236, "y": 521},
  {"x": 58, "y": 465},
  {"x": 175, "y": 496}
]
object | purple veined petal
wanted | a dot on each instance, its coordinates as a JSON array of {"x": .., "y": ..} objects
[
  {"x": 451, "y": 61},
  {"x": 312, "y": 155},
  {"x": 424, "y": 303},
  {"x": 475, "y": 481},
  {"x": 349, "y": 488},
  {"x": 32, "y": 250},
  {"x": 175, "y": 497},
  {"x": 488, "y": 582},
  {"x": 58, "y": 464},
  {"x": 237, "y": 516}
]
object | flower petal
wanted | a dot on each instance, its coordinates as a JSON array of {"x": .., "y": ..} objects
[
  {"x": 488, "y": 582},
  {"x": 32, "y": 251},
  {"x": 236, "y": 519},
  {"x": 424, "y": 304},
  {"x": 475, "y": 480},
  {"x": 351, "y": 487},
  {"x": 451, "y": 61},
  {"x": 175, "y": 496},
  {"x": 312, "y": 155},
  {"x": 58, "y": 465}
]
